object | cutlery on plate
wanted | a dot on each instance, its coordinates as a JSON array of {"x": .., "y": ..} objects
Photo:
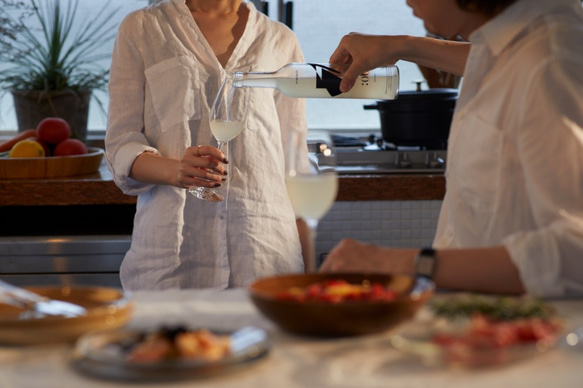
[{"x": 35, "y": 305}]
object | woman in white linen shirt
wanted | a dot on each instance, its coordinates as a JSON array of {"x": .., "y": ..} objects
[
  {"x": 168, "y": 62},
  {"x": 512, "y": 217}
]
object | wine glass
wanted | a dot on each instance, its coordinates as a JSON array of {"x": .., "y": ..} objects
[
  {"x": 312, "y": 186},
  {"x": 227, "y": 120}
]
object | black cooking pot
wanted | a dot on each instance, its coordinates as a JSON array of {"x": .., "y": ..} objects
[{"x": 417, "y": 118}]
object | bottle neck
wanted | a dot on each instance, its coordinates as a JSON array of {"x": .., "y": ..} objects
[{"x": 255, "y": 79}]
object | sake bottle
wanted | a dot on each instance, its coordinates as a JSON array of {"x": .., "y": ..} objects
[{"x": 310, "y": 80}]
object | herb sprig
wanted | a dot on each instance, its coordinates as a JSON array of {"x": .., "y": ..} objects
[{"x": 496, "y": 308}]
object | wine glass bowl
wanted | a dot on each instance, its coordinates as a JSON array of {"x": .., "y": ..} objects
[
  {"x": 227, "y": 120},
  {"x": 312, "y": 186}
]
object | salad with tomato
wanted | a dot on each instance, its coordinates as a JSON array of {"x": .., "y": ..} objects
[
  {"x": 496, "y": 322},
  {"x": 338, "y": 290}
]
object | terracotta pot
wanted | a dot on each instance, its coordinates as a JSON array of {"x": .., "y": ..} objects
[{"x": 33, "y": 106}]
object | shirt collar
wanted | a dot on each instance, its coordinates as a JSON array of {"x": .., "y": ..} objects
[
  {"x": 249, "y": 4},
  {"x": 503, "y": 29}
]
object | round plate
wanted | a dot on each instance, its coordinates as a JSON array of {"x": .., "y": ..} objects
[
  {"x": 51, "y": 166},
  {"x": 107, "y": 309},
  {"x": 416, "y": 339},
  {"x": 103, "y": 355}
]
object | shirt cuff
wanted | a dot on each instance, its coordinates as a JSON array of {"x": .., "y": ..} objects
[
  {"x": 124, "y": 160},
  {"x": 536, "y": 256}
]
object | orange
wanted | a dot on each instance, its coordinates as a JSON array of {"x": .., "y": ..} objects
[{"x": 27, "y": 149}]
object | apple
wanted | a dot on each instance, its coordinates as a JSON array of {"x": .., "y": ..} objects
[
  {"x": 70, "y": 147},
  {"x": 53, "y": 130}
]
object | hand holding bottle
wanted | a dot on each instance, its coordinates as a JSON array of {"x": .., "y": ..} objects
[{"x": 361, "y": 53}]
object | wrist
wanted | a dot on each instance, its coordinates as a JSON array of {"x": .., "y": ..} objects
[
  {"x": 402, "y": 47},
  {"x": 426, "y": 263}
]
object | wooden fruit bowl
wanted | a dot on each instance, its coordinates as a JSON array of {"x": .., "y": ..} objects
[
  {"x": 343, "y": 319},
  {"x": 51, "y": 166}
]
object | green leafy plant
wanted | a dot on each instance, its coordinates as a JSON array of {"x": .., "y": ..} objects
[{"x": 55, "y": 51}]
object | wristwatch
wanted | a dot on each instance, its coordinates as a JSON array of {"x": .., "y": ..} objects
[{"x": 425, "y": 263}]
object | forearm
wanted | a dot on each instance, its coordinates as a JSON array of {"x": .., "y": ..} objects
[
  {"x": 156, "y": 169},
  {"x": 478, "y": 270},
  {"x": 445, "y": 55}
]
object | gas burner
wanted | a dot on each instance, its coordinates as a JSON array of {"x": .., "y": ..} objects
[
  {"x": 376, "y": 143},
  {"x": 379, "y": 157}
]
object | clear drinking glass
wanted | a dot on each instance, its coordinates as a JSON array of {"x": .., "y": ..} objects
[
  {"x": 227, "y": 120},
  {"x": 311, "y": 185}
]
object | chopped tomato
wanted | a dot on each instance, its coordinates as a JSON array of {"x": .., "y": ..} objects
[
  {"x": 485, "y": 333},
  {"x": 338, "y": 290}
]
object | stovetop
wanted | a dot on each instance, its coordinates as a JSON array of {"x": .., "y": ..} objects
[{"x": 373, "y": 156}]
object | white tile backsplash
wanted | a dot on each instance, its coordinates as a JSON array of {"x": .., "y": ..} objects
[{"x": 399, "y": 224}]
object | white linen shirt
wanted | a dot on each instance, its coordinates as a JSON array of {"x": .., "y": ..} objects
[
  {"x": 515, "y": 153},
  {"x": 164, "y": 76}
]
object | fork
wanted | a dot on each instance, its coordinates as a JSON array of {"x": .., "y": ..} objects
[{"x": 35, "y": 305}]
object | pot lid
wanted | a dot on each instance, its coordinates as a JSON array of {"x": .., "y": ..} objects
[
  {"x": 429, "y": 93},
  {"x": 416, "y": 97}
]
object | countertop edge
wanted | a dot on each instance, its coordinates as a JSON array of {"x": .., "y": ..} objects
[{"x": 99, "y": 189}]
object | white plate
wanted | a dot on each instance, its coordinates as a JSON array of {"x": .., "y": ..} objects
[
  {"x": 416, "y": 339},
  {"x": 103, "y": 355}
]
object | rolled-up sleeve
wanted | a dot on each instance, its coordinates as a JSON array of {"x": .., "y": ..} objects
[
  {"x": 125, "y": 139},
  {"x": 550, "y": 146}
]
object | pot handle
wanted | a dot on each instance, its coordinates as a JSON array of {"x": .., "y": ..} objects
[{"x": 371, "y": 107}]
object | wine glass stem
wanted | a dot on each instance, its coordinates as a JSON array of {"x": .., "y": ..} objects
[{"x": 311, "y": 254}]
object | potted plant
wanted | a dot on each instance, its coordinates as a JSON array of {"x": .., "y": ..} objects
[{"x": 51, "y": 61}]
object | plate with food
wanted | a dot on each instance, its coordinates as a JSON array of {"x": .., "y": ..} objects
[
  {"x": 472, "y": 331},
  {"x": 168, "y": 353}
]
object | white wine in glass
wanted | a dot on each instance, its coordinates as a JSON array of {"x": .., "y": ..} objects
[
  {"x": 227, "y": 120},
  {"x": 312, "y": 187}
]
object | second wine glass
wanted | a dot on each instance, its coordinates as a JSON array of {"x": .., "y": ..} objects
[
  {"x": 227, "y": 120},
  {"x": 312, "y": 186}
]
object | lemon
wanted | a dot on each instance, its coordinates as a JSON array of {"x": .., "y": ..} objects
[{"x": 27, "y": 149}]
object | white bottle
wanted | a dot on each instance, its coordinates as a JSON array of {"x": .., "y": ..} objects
[{"x": 309, "y": 80}]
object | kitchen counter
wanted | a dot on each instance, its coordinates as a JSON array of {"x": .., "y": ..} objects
[{"x": 99, "y": 189}]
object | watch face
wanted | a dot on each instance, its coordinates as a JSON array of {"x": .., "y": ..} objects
[{"x": 425, "y": 263}]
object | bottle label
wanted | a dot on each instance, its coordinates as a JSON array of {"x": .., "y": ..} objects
[{"x": 327, "y": 78}]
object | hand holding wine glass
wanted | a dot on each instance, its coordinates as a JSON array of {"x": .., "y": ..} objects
[
  {"x": 227, "y": 120},
  {"x": 312, "y": 187}
]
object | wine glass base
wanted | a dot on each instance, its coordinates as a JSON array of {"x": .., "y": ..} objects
[{"x": 206, "y": 194}]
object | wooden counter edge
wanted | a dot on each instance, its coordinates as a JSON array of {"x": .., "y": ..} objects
[
  {"x": 97, "y": 191},
  {"x": 391, "y": 187}
]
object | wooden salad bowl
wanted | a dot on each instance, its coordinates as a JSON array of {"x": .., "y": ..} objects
[
  {"x": 339, "y": 319},
  {"x": 107, "y": 309}
]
